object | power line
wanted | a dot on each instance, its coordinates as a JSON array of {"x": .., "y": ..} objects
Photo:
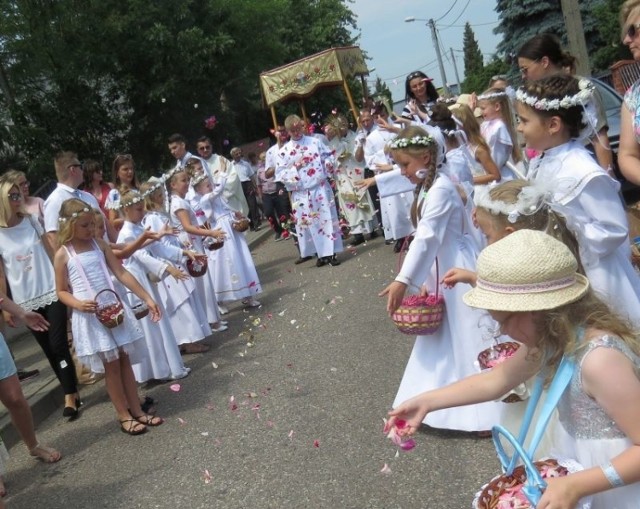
[
  {"x": 460, "y": 15},
  {"x": 476, "y": 25},
  {"x": 404, "y": 74},
  {"x": 445, "y": 14}
]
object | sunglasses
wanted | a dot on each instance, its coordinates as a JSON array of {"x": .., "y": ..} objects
[
  {"x": 15, "y": 196},
  {"x": 632, "y": 31},
  {"x": 75, "y": 165},
  {"x": 25, "y": 184},
  {"x": 205, "y": 147}
]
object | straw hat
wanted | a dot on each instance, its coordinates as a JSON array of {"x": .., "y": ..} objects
[
  {"x": 526, "y": 271},
  {"x": 466, "y": 100}
]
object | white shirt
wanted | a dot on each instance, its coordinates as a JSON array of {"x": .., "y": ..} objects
[
  {"x": 243, "y": 169},
  {"x": 272, "y": 159},
  {"x": 55, "y": 200}
]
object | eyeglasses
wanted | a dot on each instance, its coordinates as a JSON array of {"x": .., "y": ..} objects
[
  {"x": 15, "y": 196},
  {"x": 632, "y": 31},
  {"x": 205, "y": 147},
  {"x": 525, "y": 70},
  {"x": 74, "y": 165},
  {"x": 26, "y": 183}
]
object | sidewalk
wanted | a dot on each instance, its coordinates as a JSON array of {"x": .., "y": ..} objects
[{"x": 43, "y": 392}]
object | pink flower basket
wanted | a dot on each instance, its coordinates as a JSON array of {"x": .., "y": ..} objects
[
  {"x": 419, "y": 315},
  {"x": 495, "y": 355}
]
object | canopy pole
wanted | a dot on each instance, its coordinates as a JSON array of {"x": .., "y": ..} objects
[
  {"x": 354, "y": 111},
  {"x": 304, "y": 112},
  {"x": 274, "y": 118}
]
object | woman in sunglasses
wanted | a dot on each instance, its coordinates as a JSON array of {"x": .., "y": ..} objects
[
  {"x": 25, "y": 265},
  {"x": 420, "y": 94},
  {"x": 31, "y": 204},
  {"x": 94, "y": 183},
  {"x": 541, "y": 57},
  {"x": 629, "y": 151}
]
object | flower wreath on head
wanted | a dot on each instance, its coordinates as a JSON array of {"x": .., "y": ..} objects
[
  {"x": 415, "y": 141},
  {"x": 198, "y": 178},
  {"x": 583, "y": 98},
  {"x": 492, "y": 95},
  {"x": 136, "y": 197},
  {"x": 531, "y": 199},
  {"x": 74, "y": 215}
]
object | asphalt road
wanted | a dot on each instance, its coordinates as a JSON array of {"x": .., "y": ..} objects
[{"x": 285, "y": 411}]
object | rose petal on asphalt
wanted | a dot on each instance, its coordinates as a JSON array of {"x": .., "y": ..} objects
[
  {"x": 175, "y": 387},
  {"x": 290, "y": 434},
  {"x": 316, "y": 443},
  {"x": 215, "y": 366},
  {"x": 207, "y": 477},
  {"x": 385, "y": 469}
]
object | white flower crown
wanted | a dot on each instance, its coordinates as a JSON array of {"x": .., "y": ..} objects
[
  {"x": 531, "y": 199},
  {"x": 198, "y": 178},
  {"x": 416, "y": 141},
  {"x": 568, "y": 101},
  {"x": 491, "y": 95},
  {"x": 74, "y": 215}
]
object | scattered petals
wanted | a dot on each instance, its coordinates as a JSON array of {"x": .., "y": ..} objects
[
  {"x": 334, "y": 369},
  {"x": 175, "y": 387},
  {"x": 205, "y": 433},
  {"x": 290, "y": 435},
  {"x": 293, "y": 322},
  {"x": 281, "y": 313},
  {"x": 316, "y": 443},
  {"x": 215, "y": 366},
  {"x": 182, "y": 421},
  {"x": 207, "y": 477},
  {"x": 385, "y": 470}
]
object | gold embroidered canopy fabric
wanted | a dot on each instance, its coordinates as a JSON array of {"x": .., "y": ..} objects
[{"x": 301, "y": 78}]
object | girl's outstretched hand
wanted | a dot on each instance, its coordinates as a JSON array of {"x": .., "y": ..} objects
[
  {"x": 365, "y": 183},
  {"x": 395, "y": 293},
  {"x": 454, "y": 276},
  {"x": 412, "y": 412},
  {"x": 156, "y": 314},
  {"x": 35, "y": 321}
]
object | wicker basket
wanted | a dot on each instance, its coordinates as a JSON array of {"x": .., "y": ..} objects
[
  {"x": 197, "y": 268},
  {"x": 213, "y": 244},
  {"x": 496, "y": 354},
  {"x": 110, "y": 311},
  {"x": 420, "y": 315},
  {"x": 240, "y": 225},
  {"x": 488, "y": 497},
  {"x": 140, "y": 311}
]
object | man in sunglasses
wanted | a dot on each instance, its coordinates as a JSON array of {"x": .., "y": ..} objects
[{"x": 70, "y": 175}]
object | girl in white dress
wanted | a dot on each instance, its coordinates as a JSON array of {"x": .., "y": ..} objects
[
  {"x": 551, "y": 121},
  {"x": 186, "y": 313},
  {"x": 498, "y": 131},
  {"x": 548, "y": 307},
  {"x": 81, "y": 273},
  {"x": 441, "y": 236},
  {"x": 184, "y": 219},
  {"x": 148, "y": 265},
  {"x": 235, "y": 273}
]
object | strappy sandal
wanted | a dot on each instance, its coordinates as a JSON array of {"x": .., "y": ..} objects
[
  {"x": 132, "y": 427},
  {"x": 149, "y": 420},
  {"x": 191, "y": 348},
  {"x": 45, "y": 454}
]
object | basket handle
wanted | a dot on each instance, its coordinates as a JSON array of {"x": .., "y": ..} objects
[
  {"x": 401, "y": 256},
  {"x": 111, "y": 291},
  {"x": 535, "y": 484}
]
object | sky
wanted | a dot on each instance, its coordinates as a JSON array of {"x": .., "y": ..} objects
[{"x": 397, "y": 48}]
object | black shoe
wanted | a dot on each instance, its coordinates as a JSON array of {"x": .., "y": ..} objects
[
  {"x": 333, "y": 261},
  {"x": 358, "y": 239},
  {"x": 321, "y": 262},
  {"x": 373, "y": 235},
  {"x": 24, "y": 375},
  {"x": 303, "y": 259},
  {"x": 278, "y": 236},
  {"x": 388, "y": 242},
  {"x": 398, "y": 245},
  {"x": 70, "y": 412}
]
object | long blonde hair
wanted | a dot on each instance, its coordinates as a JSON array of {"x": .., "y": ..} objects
[
  {"x": 506, "y": 114},
  {"x": 70, "y": 211},
  {"x": 418, "y": 151},
  {"x": 6, "y": 211},
  {"x": 470, "y": 125}
]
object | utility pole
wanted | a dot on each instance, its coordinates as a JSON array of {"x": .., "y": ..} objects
[
  {"x": 455, "y": 68},
  {"x": 575, "y": 35},
  {"x": 436, "y": 45}
]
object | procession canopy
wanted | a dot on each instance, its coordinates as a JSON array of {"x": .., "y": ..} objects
[{"x": 301, "y": 78}]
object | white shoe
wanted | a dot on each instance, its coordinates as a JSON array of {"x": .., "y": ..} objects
[
  {"x": 252, "y": 303},
  {"x": 223, "y": 310},
  {"x": 223, "y": 322},
  {"x": 184, "y": 374},
  {"x": 220, "y": 328}
]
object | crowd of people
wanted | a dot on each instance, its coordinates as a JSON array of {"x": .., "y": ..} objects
[{"x": 494, "y": 201}]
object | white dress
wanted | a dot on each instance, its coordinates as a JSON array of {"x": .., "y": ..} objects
[
  {"x": 448, "y": 355},
  {"x": 355, "y": 204},
  {"x": 95, "y": 343},
  {"x": 235, "y": 273},
  {"x": 588, "y": 198},
  {"x": 587, "y": 434},
  {"x": 187, "y": 315},
  {"x": 205, "y": 285},
  {"x": 305, "y": 165},
  {"x": 497, "y": 136},
  {"x": 163, "y": 360},
  {"x": 394, "y": 209}
]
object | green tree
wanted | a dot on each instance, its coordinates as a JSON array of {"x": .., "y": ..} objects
[
  {"x": 473, "y": 61},
  {"x": 382, "y": 92},
  {"x": 109, "y": 76},
  {"x": 522, "y": 19},
  {"x": 607, "y": 20},
  {"x": 479, "y": 81}
]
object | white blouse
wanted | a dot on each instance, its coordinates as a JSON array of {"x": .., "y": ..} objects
[{"x": 27, "y": 266}]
